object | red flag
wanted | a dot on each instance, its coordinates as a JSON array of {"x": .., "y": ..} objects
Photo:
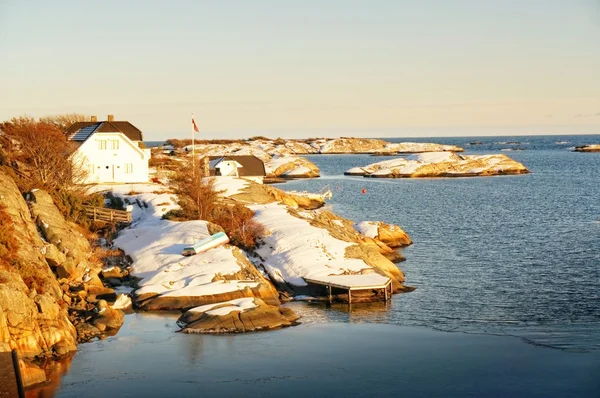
[{"x": 194, "y": 124}]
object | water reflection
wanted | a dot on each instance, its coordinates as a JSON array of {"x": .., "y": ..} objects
[
  {"x": 54, "y": 371},
  {"x": 319, "y": 312}
]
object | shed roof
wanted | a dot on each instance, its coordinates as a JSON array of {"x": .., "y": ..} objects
[
  {"x": 251, "y": 166},
  {"x": 81, "y": 131}
]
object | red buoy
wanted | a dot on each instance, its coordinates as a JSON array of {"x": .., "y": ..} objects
[{"x": 364, "y": 190}]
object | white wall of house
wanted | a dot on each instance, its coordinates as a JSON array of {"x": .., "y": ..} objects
[
  {"x": 228, "y": 168},
  {"x": 112, "y": 157}
]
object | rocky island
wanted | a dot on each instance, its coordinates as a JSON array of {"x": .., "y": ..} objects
[
  {"x": 587, "y": 148},
  {"x": 441, "y": 164},
  {"x": 281, "y": 157}
]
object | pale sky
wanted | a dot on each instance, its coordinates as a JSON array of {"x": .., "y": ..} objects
[{"x": 300, "y": 68}]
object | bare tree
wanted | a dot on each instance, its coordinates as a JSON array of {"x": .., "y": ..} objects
[
  {"x": 40, "y": 153},
  {"x": 64, "y": 121}
]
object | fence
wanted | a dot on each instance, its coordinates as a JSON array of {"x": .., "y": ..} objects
[{"x": 109, "y": 215}]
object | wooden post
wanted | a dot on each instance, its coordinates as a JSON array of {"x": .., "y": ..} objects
[
  {"x": 95, "y": 214},
  {"x": 329, "y": 286},
  {"x": 349, "y": 296},
  {"x": 385, "y": 293},
  {"x": 112, "y": 213}
]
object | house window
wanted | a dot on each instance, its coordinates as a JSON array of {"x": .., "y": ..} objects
[
  {"x": 128, "y": 168},
  {"x": 115, "y": 144},
  {"x": 102, "y": 144}
]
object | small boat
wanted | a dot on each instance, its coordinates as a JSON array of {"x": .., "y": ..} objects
[{"x": 220, "y": 238}]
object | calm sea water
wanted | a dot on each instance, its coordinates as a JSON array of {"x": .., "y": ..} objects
[{"x": 510, "y": 255}]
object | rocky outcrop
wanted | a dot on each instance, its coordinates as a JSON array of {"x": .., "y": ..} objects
[
  {"x": 441, "y": 164},
  {"x": 33, "y": 312},
  {"x": 37, "y": 309},
  {"x": 255, "y": 193},
  {"x": 236, "y": 316},
  {"x": 376, "y": 146},
  {"x": 587, "y": 148},
  {"x": 246, "y": 281},
  {"x": 391, "y": 235},
  {"x": 349, "y": 145},
  {"x": 69, "y": 250},
  {"x": 32, "y": 323},
  {"x": 371, "y": 250},
  {"x": 107, "y": 318},
  {"x": 291, "y": 167}
]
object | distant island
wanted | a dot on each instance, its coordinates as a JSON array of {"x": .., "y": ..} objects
[
  {"x": 441, "y": 164},
  {"x": 587, "y": 148}
]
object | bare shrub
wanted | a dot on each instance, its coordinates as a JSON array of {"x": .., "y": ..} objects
[
  {"x": 198, "y": 200},
  {"x": 237, "y": 221},
  {"x": 196, "y": 195}
]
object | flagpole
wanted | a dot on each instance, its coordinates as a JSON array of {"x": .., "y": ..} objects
[{"x": 193, "y": 149}]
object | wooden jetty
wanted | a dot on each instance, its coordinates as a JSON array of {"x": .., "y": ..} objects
[{"x": 355, "y": 282}]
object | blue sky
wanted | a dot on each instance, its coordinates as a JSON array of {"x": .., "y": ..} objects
[{"x": 306, "y": 68}]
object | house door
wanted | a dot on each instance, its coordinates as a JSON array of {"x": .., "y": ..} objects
[{"x": 107, "y": 173}]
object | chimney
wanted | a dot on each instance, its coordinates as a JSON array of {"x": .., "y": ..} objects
[
  {"x": 111, "y": 118},
  {"x": 93, "y": 119}
]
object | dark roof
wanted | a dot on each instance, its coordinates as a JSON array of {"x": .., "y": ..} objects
[
  {"x": 251, "y": 165},
  {"x": 80, "y": 131}
]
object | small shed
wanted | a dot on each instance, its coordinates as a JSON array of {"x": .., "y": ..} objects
[{"x": 245, "y": 166}]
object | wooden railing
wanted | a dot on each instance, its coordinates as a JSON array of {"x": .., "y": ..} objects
[{"x": 109, "y": 215}]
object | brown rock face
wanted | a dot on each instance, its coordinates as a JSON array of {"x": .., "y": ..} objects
[
  {"x": 262, "y": 317},
  {"x": 108, "y": 318},
  {"x": 63, "y": 235},
  {"x": 392, "y": 235},
  {"x": 286, "y": 169},
  {"x": 31, "y": 323},
  {"x": 261, "y": 194},
  {"x": 33, "y": 305}
]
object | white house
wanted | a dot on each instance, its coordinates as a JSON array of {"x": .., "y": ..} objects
[
  {"x": 245, "y": 166},
  {"x": 109, "y": 151}
]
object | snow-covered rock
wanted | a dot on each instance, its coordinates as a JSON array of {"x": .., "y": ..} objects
[
  {"x": 441, "y": 164},
  {"x": 239, "y": 315},
  {"x": 172, "y": 281}
]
